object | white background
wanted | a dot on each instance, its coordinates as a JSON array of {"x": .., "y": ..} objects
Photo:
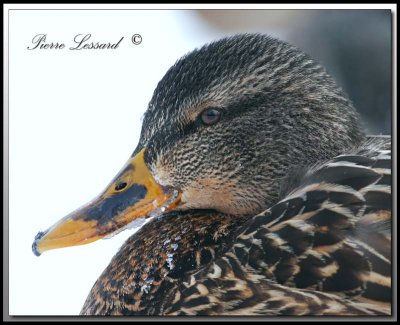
[{"x": 75, "y": 118}]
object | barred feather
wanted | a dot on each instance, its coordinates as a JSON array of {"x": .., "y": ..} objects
[{"x": 323, "y": 250}]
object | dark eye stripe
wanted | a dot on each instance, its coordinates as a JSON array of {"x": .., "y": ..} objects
[{"x": 210, "y": 116}]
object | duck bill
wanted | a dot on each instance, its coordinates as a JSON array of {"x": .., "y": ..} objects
[{"x": 132, "y": 195}]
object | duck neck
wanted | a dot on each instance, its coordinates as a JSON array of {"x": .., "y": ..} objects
[{"x": 160, "y": 254}]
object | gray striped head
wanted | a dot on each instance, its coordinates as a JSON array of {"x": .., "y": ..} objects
[{"x": 277, "y": 109}]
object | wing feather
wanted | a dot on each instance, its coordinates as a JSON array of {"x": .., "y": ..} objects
[{"x": 324, "y": 249}]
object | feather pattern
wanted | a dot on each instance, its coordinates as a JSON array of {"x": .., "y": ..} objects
[
  {"x": 322, "y": 242},
  {"x": 280, "y": 206},
  {"x": 324, "y": 249},
  {"x": 328, "y": 239}
]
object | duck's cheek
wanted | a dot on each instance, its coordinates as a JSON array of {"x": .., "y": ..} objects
[
  {"x": 209, "y": 193},
  {"x": 163, "y": 174},
  {"x": 167, "y": 170}
]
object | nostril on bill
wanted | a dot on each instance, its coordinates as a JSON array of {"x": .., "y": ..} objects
[{"x": 120, "y": 186}]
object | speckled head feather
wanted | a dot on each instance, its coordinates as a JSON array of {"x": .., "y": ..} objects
[
  {"x": 279, "y": 109},
  {"x": 323, "y": 249}
]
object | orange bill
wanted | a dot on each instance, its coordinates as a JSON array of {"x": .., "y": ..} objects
[{"x": 132, "y": 195}]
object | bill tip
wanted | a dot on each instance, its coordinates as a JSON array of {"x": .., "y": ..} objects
[{"x": 39, "y": 236}]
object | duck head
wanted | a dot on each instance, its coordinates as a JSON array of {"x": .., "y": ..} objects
[{"x": 224, "y": 126}]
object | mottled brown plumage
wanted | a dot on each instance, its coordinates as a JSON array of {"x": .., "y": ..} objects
[
  {"x": 284, "y": 207},
  {"x": 323, "y": 250}
]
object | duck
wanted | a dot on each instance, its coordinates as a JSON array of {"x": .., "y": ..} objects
[{"x": 257, "y": 191}]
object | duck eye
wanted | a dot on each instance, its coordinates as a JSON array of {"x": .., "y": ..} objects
[
  {"x": 120, "y": 186},
  {"x": 210, "y": 116}
]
